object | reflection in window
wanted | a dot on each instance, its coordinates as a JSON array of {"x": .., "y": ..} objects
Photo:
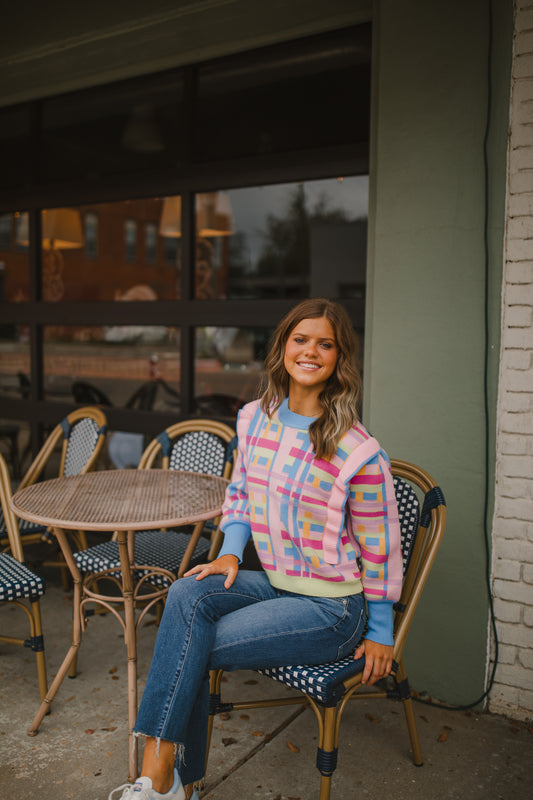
[
  {"x": 14, "y": 360},
  {"x": 91, "y": 235},
  {"x": 285, "y": 241},
  {"x": 130, "y": 239},
  {"x": 172, "y": 250},
  {"x": 123, "y": 127},
  {"x": 104, "y": 263},
  {"x": 137, "y": 366},
  {"x": 228, "y": 368},
  {"x": 14, "y": 263},
  {"x": 5, "y": 231},
  {"x": 61, "y": 231},
  {"x": 14, "y": 438},
  {"x": 150, "y": 242},
  {"x": 170, "y": 228},
  {"x": 22, "y": 231}
]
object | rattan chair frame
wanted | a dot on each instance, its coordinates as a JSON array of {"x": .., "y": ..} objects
[
  {"x": 31, "y": 604},
  {"x": 61, "y": 434},
  {"x": 426, "y": 544}
]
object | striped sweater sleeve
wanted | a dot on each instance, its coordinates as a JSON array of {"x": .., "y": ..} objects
[
  {"x": 376, "y": 528},
  {"x": 235, "y": 507}
]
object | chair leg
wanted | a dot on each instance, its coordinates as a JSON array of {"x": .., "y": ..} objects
[
  {"x": 405, "y": 696},
  {"x": 215, "y": 677},
  {"x": 37, "y": 635},
  {"x": 326, "y": 757}
]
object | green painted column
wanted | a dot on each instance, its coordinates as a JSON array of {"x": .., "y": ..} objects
[{"x": 425, "y": 329}]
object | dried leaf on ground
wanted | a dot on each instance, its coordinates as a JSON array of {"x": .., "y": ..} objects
[
  {"x": 228, "y": 740},
  {"x": 443, "y": 737},
  {"x": 293, "y": 748}
]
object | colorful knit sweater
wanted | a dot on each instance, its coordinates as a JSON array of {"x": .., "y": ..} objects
[{"x": 320, "y": 528}]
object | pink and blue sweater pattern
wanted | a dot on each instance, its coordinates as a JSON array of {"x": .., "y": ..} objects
[{"x": 321, "y": 528}]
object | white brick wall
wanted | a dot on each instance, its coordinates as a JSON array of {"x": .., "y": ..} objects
[{"x": 512, "y": 692}]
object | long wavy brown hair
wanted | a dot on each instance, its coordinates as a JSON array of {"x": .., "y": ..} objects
[{"x": 341, "y": 396}]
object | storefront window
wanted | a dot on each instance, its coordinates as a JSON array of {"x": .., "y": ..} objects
[
  {"x": 285, "y": 241},
  {"x": 119, "y": 299}
]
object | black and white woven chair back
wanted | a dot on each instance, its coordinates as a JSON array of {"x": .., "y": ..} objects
[
  {"x": 199, "y": 451},
  {"x": 82, "y": 438},
  {"x": 409, "y": 514}
]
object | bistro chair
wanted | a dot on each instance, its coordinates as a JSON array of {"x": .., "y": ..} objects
[
  {"x": 80, "y": 435},
  {"x": 19, "y": 585},
  {"x": 328, "y": 687},
  {"x": 198, "y": 445}
]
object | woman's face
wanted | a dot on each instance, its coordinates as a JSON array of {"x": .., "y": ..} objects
[{"x": 311, "y": 354}]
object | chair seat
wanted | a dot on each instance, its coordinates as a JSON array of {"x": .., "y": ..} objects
[
  {"x": 323, "y": 682},
  {"x": 164, "y": 549},
  {"x": 17, "y": 582}
]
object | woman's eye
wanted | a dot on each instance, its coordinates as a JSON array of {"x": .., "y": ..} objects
[
  {"x": 299, "y": 339},
  {"x": 327, "y": 345}
]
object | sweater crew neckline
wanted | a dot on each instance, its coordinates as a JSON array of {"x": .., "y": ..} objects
[{"x": 292, "y": 419}]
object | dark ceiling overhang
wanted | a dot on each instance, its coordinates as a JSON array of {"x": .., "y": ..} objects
[{"x": 62, "y": 46}]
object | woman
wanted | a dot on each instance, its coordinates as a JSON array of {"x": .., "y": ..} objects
[{"x": 315, "y": 492}]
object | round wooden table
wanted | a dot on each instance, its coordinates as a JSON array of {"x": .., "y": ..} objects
[{"x": 123, "y": 501}]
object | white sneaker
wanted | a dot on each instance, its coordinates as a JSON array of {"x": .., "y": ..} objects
[{"x": 142, "y": 790}]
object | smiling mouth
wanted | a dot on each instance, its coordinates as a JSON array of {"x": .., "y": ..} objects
[{"x": 309, "y": 365}]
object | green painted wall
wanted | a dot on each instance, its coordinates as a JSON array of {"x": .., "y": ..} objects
[{"x": 425, "y": 341}]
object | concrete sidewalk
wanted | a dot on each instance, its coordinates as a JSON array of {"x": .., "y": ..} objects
[{"x": 268, "y": 754}]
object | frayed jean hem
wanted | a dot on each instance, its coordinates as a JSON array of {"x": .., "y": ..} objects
[{"x": 179, "y": 749}]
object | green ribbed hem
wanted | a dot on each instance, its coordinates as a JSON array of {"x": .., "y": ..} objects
[{"x": 314, "y": 587}]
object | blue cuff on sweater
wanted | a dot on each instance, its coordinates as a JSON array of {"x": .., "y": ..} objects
[
  {"x": 380, "y": 621},
  {"x": 236, "y": 536}
]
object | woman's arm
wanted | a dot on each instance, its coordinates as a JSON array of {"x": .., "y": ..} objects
[{"x": 374, "y": 516}]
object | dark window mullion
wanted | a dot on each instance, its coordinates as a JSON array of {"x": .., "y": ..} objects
[
  {"x": 36, "y": 330},
  {"x": 188, "y": 231}
]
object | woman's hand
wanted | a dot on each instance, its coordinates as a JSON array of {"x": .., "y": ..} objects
[
  {"x": 378, "y": 663},
  {"x": 225, "y": 565}
]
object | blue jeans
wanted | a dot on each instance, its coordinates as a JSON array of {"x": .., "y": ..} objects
[{"x": 248, "y": 626}]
